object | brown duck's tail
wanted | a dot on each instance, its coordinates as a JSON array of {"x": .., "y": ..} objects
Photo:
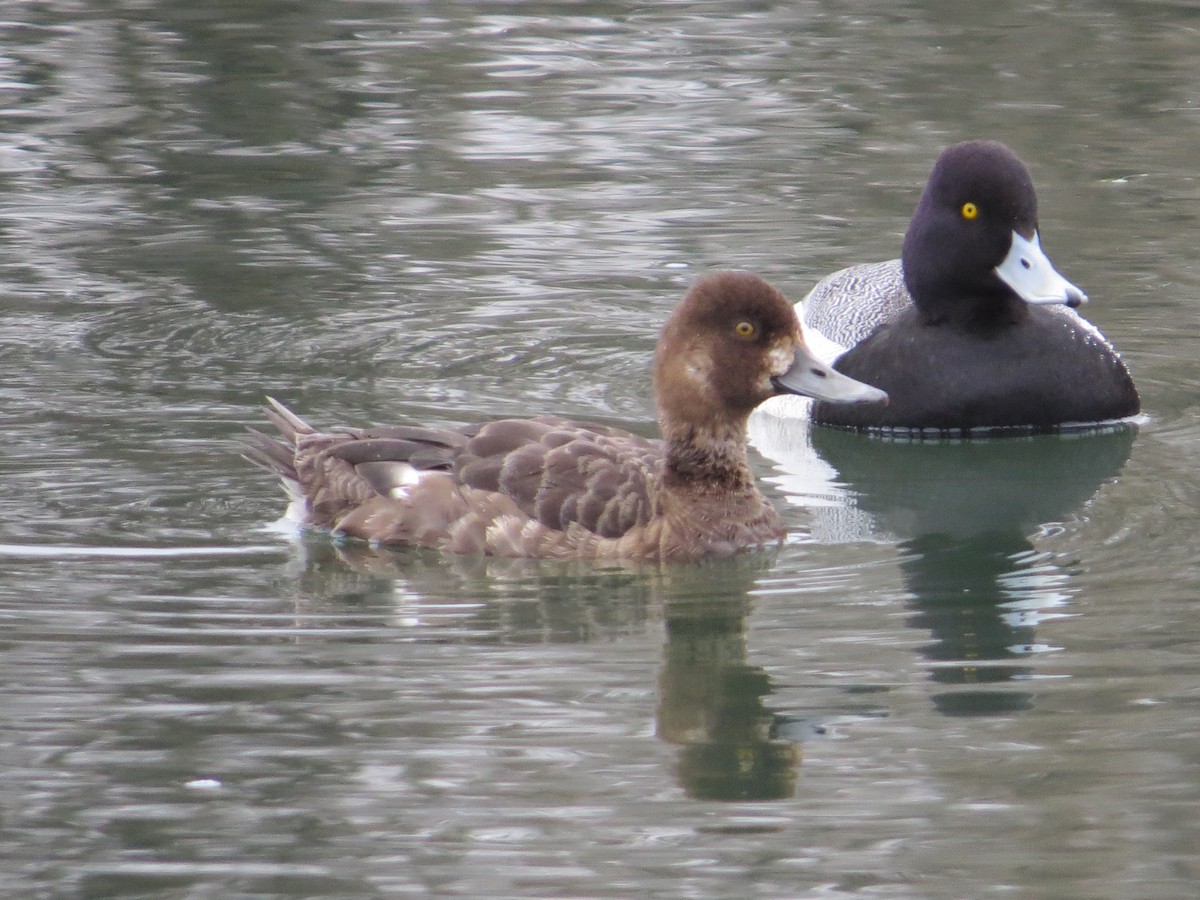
[{"x": 272, "y": 454}]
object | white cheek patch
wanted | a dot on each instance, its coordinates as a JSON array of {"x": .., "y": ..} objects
[
  {"x": 780, "y": 359},
  {"x": 698, "y": 369}
]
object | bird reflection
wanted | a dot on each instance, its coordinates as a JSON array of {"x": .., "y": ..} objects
[
  {"x": 713, "y": 703},
  {"x": 962, "y": 514},
  {"x": 484, "y": 600},
  {"x": 962, "y": 597}
]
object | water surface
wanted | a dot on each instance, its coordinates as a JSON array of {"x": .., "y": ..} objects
[{"x": 971, "y": 670}]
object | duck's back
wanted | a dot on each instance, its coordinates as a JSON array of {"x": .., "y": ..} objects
[
  {"x": 1048, "y": 371},
  {"x": 511, "y": 486},
  {"x": 561, "y": 472},
  {"x": 845, "y": 307}
]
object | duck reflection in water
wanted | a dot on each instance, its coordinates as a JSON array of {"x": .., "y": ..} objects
[
  {"x": 981, "y": 598},
  {"x": 962, "y": 513},
  {"x": 478, "y": 600},
  {"x": 712, "y": 701}
]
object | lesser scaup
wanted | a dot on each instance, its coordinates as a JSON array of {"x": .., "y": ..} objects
[
  {"x": 972, "y": 330},
  {"x": 549, "y": 487}
]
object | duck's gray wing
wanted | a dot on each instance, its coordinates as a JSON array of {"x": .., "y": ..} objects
[{"x": 843, "y": 308}]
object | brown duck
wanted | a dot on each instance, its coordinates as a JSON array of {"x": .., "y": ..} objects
[{"x": 554, "y": 488}]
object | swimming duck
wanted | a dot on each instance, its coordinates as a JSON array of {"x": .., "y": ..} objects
[
  {"x": 550, "y": 487},
  {"x": 973, "y": 329}
]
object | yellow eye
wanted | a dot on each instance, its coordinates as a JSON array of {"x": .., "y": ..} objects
[
  {"x": 745, "y": 329},
  {"x": 969, "y": 210}
]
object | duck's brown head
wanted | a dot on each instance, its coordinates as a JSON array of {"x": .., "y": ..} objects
[{"x": 731, "y": 343}]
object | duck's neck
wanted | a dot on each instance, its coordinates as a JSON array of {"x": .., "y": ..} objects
[
  {"x": 972, "y": 310},
  {"x": 708, "y": 459},
  {"x": 990, "y": 315}
]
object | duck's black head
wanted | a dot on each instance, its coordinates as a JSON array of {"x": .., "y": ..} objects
[{"x": 972, "y": 249}]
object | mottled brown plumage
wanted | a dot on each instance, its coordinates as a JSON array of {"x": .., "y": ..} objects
[{"x": 549, "y": 487}]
